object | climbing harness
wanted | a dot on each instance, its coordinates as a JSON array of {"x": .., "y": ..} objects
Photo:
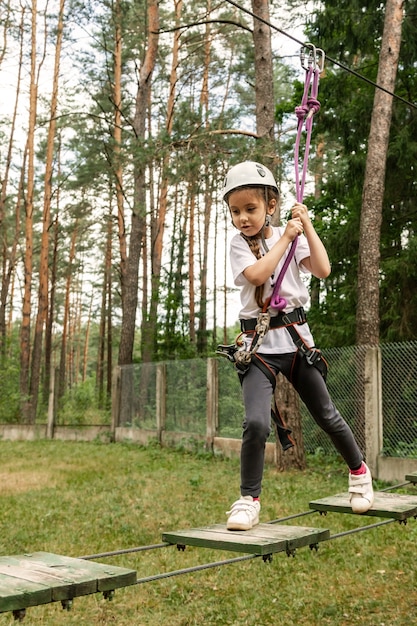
[{"x": 241, "y": 355}]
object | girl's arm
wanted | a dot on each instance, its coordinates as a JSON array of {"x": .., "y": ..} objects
[{"x": 263, "y": 268}]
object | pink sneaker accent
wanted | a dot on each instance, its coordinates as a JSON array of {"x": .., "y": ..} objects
[{"x": 360, "y": 471}]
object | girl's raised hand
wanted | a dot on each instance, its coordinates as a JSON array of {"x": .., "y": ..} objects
[
  {"x": 300, "y": 211},
  {"x": 293, "y": 228}
]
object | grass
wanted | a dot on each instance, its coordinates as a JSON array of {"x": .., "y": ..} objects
[{"x": 76, "y": 499}]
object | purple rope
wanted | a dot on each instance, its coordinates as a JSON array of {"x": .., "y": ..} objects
[{"x": 305, "y": 112}]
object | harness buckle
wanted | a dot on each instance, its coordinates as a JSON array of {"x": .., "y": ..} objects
[
  {"x": 227, "y": 351},
  {"x": 301, "y": 317},
  {"x": 312, "y": 356},
  {"x": 301, "y": 314},
  {"x": 240, "y": 358}
]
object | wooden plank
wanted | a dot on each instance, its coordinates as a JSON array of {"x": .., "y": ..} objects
[
  {"x": 263, "y": 539},
  {"x": 41, "y": 577},
  {"x": 107, "y": 577},
  {"x": 392, "y": 505},
  {"x": 15, "y": 594},
  {"x": 412, "y": 478}
]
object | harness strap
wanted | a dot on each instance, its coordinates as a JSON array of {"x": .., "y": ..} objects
[
  {"x": 297, "y": 316},
  {"x": 313, "y": 356}
]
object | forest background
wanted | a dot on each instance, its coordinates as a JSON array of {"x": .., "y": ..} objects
[{"x": 118, "y": 122}]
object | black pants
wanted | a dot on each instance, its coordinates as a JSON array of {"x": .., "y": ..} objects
[{"x": 257, "y": 395}]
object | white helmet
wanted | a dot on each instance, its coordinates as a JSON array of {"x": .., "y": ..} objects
[{"x": 248, "y": 173}]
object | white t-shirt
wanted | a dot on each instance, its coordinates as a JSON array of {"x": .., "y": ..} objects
[{"x": 293, "y": 289}]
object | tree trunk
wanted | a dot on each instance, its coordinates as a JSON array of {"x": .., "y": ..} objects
[
  {"x": 367, "y": 312},
  {"x": 49, "y": 365},
  {"x": 46, "y": 222},
  {"x": 264, "y": 83},
  {"x": 28, "y": 255},
  {"x": 138, "y": 225},
  {"x": 9, "y": 257},
  {"x": 191, "y": 259},
  {"x": 289, "y": 407},
  {"x": 208, "y": 200},
  {"x": 150, "y": 321},
  {"x": 103, "y": 357},
  {"x": 202, "y": 322},
  {"x": 66, "y": 319},
  {"x": 117, "y": 135}
]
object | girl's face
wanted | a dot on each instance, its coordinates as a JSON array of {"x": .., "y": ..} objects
[{"x": 248, "y": 210}]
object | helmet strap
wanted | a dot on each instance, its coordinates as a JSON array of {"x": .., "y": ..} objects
[{"x": 264, "y": 227}]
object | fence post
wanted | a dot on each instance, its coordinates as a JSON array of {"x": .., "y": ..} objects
[
  {"x": 161, "y": 398},
  {"x": 212, "y": 402},
  {"x": 115, "y": 399},
  {"x": 52, "y": 403},
  {"x": 373, "y": 407}
]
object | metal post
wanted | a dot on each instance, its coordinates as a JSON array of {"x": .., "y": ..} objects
[
  {"x": 51, "y": 405},
  {"x": 373, "y": 407},
  {"x": 212, "y": 402},
  {"x": 115, "y": 400},
  {"x": 161, "y": 399}
]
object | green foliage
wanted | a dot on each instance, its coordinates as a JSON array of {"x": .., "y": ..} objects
[
  {"x": 80, "y": 405},
  {"x": 10, "y": 397},
  {"x": 350, "y": 32}
]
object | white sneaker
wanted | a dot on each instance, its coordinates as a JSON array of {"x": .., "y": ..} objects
[
  {"x": 244, "y": 514},
  {"x": 361, "y": 492}
]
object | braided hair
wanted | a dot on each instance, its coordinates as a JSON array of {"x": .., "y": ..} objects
[{"x": 254, "y": 245}]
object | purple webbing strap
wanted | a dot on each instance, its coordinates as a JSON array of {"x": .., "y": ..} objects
[{"x": 309, "y": 106}]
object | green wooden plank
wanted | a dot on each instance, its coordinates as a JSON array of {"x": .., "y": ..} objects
[
  {"x": 392, "y": 505},
  {"x": 298, "y": 535},
  {"x": 31, "y": 577},
  {"x": 15, "y": 594},
  {"x": 107, "y": 577},
  {"x": 263, "y": 539},
  {"x": 412, "y": 478},
  {"x": 65, "y": 582}
]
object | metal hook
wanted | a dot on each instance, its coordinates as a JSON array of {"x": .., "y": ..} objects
[
  {"x": 311, "y": 55},
  {"x": 315, "y": 59},
  {"x": 321, "y": 58}
]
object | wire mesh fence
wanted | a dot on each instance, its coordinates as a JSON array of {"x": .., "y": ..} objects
[
  {"x": 185, "y": 389},
  {"x": 186, "y": 396},
  {"x": 399, "y": 399}
]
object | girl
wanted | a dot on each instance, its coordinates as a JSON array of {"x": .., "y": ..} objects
[{"x": 257, "y": 254}]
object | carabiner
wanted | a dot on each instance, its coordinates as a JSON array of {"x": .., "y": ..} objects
[{"x": 315, "y": 59}]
